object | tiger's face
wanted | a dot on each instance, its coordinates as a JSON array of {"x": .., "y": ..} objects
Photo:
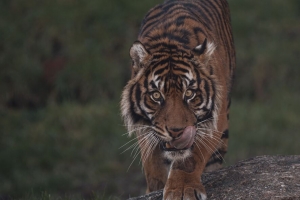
[{"x": 171, "y": 96}]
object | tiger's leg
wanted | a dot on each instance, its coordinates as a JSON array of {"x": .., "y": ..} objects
[
  {"x": 184, "y": 180},
  {"x": 156, "y": 170},
  {"x": 184, "y": 177}
]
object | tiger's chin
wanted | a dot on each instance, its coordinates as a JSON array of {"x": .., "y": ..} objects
[{"x": 174, "y": 154}]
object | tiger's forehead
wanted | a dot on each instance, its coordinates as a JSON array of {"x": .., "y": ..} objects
[{"x": 172, "y": 76}]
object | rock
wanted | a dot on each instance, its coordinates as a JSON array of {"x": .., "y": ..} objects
[{"x": 262, "y": 177}]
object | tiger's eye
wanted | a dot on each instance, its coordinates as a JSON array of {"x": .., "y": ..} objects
[
  {"x": 156, "y": 96},
  {"x": 189, "y": 93}
]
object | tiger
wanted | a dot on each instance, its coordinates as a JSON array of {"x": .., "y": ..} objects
[{"x": 178, "y": 97}]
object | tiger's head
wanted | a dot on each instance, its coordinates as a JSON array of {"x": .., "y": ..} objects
[{"x": 171, "y": 98}]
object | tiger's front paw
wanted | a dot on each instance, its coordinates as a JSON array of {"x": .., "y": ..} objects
[{"x": 195, "y": 192}]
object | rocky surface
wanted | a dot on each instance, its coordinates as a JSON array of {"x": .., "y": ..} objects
[{"x": 263, "y": 177}]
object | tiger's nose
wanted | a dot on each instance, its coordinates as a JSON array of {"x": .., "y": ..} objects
[{"x": 175, "y": 133}]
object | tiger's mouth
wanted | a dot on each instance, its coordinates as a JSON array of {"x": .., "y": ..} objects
[
  {"x": 183, "y": 142},
  {"x": 166, "y": 146}
]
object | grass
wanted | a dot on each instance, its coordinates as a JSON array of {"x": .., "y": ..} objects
[
  {"x": 264, "y": 127},
  {"x": 63, "y": 148}
]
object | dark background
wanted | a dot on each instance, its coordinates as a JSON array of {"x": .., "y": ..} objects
[{"x": 63, "y": 64}]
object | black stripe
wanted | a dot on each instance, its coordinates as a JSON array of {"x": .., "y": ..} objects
[
  {"x": 149, "y": 106},
  {"x": 180, "y": 20},
  {"x": 205, "y": 22},
  {"x": 229, "y": 103},
  {"x": 157, "y": 7},
  {"x": 216, "y": 157},
  {"x": 191, "y": 82},
  {"x": 225, "y": 134},
  {"x": 153, "y": 84},
  {"x": 198, "y": 78},
  {"x": 222, "y": 152},
  {"x": 184, "y": 17},
  {"x": 168, "y": 6},
  {"x": 214, "y": 14},
  {"x": 181, "y": 62},
  {"x": 159, "y": 132},
  {"x": 167, "y": 161},
  {"x": 146, "y": 83},
  {"x": 148, "y": 16},
  {"x": 184, "y": 76},
  {"x": 181, "y": 70},
  {"x": 134, "y": 116},
  {"x": 211, "y": 70},
  {"x": 160, "y": 63},
  {"x": 206, "y": 12},
  {"x": 172, "y": 36},
  {"x": 214, "y": 93},
  {"x": 217, "y": 160},
  {"x": 160, "y": 71},
  {"x": 198, "y": 30},
  {"x": 147, "y": 25},
  {"x": 207, "y": 90},
  {"x": 138, "y": 94},
  {"x": 198, "y": 104},
  {"x": 166, "y": 10},
  {"x": 162, "y": 44},
  {"x": 206, "y": 117}
]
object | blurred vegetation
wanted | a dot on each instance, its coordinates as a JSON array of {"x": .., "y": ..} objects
[{"x": 63, "y": 66}]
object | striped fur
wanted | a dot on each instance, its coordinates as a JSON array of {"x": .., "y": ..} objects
[{"x": 182, "y": 68}]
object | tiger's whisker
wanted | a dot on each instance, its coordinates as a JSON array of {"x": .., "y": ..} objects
[
  {"x": 134, "y": 130},
  {"x": 200, "y": 151},
  {"x": 215, "y": 138},
  {"x": 152, "y": 143},
  {"x": 216, "y": 150},
  {"x": 135, "y": 156},
  {"x": 132, "y": 140},
  {"x": 206, "y": 145},
  {"x": 210, "y": 130},
  {"x": 132, "y": 161}
]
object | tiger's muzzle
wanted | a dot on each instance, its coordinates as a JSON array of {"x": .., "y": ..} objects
[{"x": 184, "y": 141}]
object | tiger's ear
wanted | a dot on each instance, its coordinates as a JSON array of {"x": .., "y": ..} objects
[
  {"x": 138, "y": 54},
  {"x": 204, "y": 51}
]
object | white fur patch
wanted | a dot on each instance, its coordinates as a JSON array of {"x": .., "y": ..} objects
[
  {"x": 138, "y": 52},
  {"x": 189, "y": 75},
  {"x": 203, "y": 196},
  {"x": 210, "y": 48},
  {"x": 177, "y": 155}
]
